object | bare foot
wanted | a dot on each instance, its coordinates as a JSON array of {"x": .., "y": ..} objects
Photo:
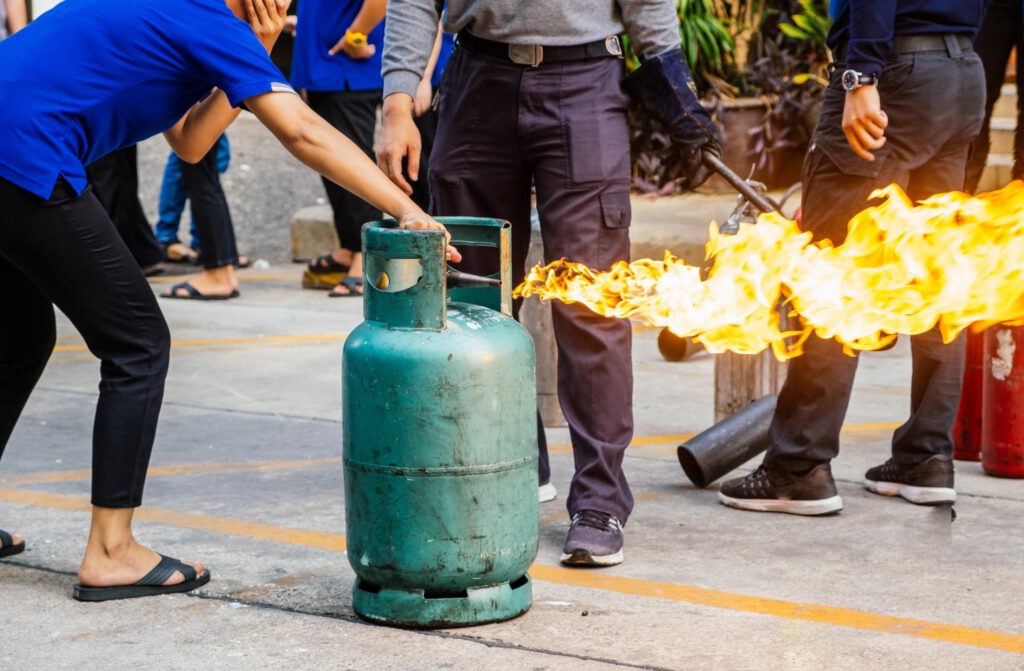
[
  {"x": 179, "y": 253},
  {"x": 124, "y": 564}
]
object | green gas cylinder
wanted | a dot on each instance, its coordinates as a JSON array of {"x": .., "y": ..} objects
[{"x": 440, "y": 436}]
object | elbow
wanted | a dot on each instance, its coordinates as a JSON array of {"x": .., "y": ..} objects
[
  {"x": 302, "y": 137},
  {"x": 189, "y": 156}
]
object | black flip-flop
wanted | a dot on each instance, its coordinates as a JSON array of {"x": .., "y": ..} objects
[
  {"x": 324, "y": 265},
  {"x": 152, "y": 584},
  {"x": 194, "y": 295},
  {"x": 354, "y": 284},
  {"x": 7, "y": 546}
]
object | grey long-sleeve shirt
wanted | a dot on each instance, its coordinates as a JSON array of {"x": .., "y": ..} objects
[{"x": 411, "y": 26}]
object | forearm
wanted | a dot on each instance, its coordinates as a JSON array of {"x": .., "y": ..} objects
[
  {"x": 197, "y": 132},
  {"x": 410, "y": 31},
  {"x": 428, "y": 74},
  {"x": 321, "y": 147},
  {"x": 17, "y": 15},
  {"x": 871, "y": 33},
  {"x": 652, "y": 25},
  {"x": 369, "y": 17}
]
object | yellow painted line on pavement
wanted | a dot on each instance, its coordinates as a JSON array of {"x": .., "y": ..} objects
[
  {"x": 182, "y": 469},
  {"x": 208, "y": 342},
  {"x": 600, "y": 581},
  {"x": 221, "y": 525}
]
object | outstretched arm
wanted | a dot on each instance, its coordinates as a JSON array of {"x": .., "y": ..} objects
[{"x": 324, "y": 149}]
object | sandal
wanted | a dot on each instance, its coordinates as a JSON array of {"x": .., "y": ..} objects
[
  {"x": 152, "y": 584},
  {"x": 7, "y": 545},
  {"x": 326, "y": 264},
  {"x": 193, "y": 294},
  {"x": 353, "y": 284}
]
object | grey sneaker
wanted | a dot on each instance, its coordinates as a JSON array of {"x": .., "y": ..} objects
[
  {"x": 776, "y": 491},
  {"x": 595, "y": 539},
  {"x": 928, "y": 483}
]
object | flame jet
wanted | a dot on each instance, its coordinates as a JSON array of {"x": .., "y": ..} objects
[{"x": 953, "y": 260}]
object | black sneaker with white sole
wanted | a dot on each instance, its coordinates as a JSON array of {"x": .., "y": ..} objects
[
  {"x": 927, "y": 483},
  {"x": 771, "y": 490},
  {"x": 595, "y": 539}
]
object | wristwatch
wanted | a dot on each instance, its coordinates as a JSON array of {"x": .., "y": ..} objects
[
  {"x": 853, "y": 80},
  {"x": 355, "y": 39}
]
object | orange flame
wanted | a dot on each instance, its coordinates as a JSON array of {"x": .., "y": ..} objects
[{"x": 952, "y": 260}]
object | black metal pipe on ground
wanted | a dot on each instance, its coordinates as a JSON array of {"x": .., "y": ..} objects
[{"x": 728, "y": 444}]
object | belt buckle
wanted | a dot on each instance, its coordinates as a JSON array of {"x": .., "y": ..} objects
[
  {"x": 526, "y": 54},
  {"x": 613, "y": 46}
]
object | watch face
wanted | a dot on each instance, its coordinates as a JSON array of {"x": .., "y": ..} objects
[{"x": 851, "y": 79}]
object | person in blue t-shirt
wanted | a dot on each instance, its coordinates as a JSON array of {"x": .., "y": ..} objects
[
  {"x": 336, "y": 63},
  {"x": 87, "y": 78}
]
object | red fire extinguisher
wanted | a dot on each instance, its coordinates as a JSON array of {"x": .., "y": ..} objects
[
  {"x": 967, "y": 429},
  {"x": 1002, "y": 435}
]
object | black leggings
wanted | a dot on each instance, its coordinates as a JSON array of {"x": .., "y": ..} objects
[{"x": 66, "y": 252}]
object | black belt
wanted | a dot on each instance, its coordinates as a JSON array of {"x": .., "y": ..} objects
[
  {"x": 534, "y": 54},
  {"x": 912, "y": 44}
]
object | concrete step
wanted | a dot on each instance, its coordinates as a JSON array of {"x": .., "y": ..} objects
[
  {"x": 676, "y": 223},
  {"x": 1006, "y": 106},
  {"x": 1001, "y": 133},
  {"x": 998, "y": 172}
]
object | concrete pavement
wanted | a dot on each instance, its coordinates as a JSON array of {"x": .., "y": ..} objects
[{"x": 247, "y": 478}]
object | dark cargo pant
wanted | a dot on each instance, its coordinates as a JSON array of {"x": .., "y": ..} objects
[
  {"x": 563, "y": 127},
  {"x": 935, "y": 102}
]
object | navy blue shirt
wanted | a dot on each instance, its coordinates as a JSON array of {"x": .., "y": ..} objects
[
  {"x": 92, "y": 76},
  {"x": 868, "y": 26},
  {"x": 321, "y": 23}
]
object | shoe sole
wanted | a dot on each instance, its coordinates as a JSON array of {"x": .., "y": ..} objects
[
  {"x": 922, "y": 496},
  {"x": 585, "y": 558},
  {"x": 827, "y": 506},
  {"x": 547, "y": 492}
]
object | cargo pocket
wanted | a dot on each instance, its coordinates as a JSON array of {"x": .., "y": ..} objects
[
  {"x": 615, "y": 209},
  {"x": 598, "y": 149}
]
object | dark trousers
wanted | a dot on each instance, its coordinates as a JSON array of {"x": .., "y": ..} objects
[
  {"x": 66, "y": 252},
  {"x": 210, "y": 210},
  {"x": 427, "y": 126},
  {"x": 934, "y": 101},
  {"x": 1000, "y": 32},
  {"x": 115, "y": 182},
  {"x": 562, "y": 127},
  {"x": 354, "y": 113}
]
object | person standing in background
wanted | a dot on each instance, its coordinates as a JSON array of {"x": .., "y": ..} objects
[
  {"x": 13, "y": 17},
  {"x": 336, "y": 62},
  {"x": 173, "y": 198},
  {"x": 115, "y": 181},
  {"x": 1001, "y": 32}
]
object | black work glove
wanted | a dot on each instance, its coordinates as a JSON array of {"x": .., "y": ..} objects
[{"x": 664, "y": 86}]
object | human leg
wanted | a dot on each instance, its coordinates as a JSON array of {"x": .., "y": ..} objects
[
  {"x": 354, "y": 113},
  {"x": 104, "y": 294},
  {"x": 115, "y": 180},
  {"x": 212, "y": 217},
  {"x": 476, "y": 170}
]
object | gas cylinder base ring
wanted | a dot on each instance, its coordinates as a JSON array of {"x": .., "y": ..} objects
[{"x": 460, "y": 607}]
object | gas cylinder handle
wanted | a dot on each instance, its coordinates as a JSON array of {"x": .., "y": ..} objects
[
  {"x": 420, "y": 302},
  {"x": 486, "y": 233}
]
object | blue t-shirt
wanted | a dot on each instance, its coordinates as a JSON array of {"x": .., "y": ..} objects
[
  {"x": 447, "y": 46},
  {"x": 92, "y": 76},
  {"x": 321, "y": 23}
]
